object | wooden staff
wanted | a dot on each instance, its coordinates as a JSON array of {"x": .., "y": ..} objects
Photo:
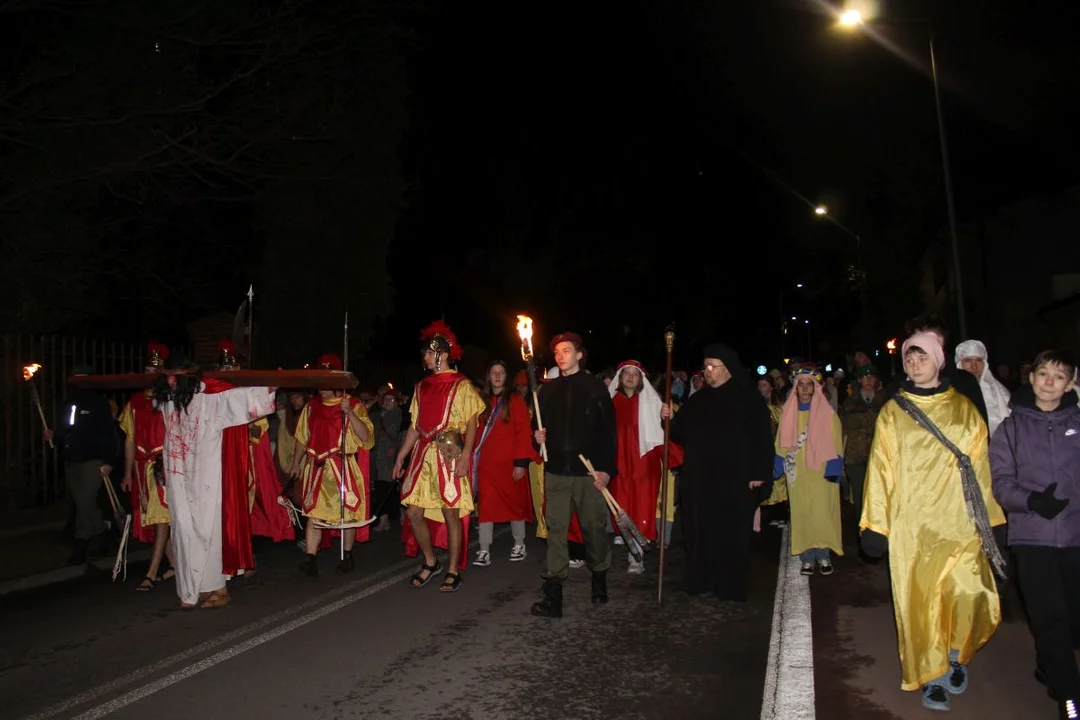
[{"x": 669, "y": 342}]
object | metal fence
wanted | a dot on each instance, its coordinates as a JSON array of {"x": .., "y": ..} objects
[{"x": 31, "y": 473}]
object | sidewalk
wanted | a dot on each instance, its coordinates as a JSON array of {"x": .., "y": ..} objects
[
  {"x": 33, "y": 552},
  {"x": 857, "y": 670}
]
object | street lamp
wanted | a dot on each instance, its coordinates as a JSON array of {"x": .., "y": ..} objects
[
  {"x": 821, "y": 210},
  {"x": 783, "y": 318},
  {"x": 853, "y": 19}
]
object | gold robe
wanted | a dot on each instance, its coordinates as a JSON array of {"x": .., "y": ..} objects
[
  {"x": 263, "y": 426},
  {"x": 779, "y": 492},
  {"x": 944, "y": 594},
  {"x": 815, "y": 501},
  {"x": 323, "y": 487},
  {"x": 536, "y": 484}
]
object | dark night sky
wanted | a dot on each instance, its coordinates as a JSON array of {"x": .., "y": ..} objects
[
  {"x": 637, "y": 143},
  {"x": 612, "y": 167}
]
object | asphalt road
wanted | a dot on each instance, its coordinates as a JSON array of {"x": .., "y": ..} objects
[{"x": 367, "y": 645}]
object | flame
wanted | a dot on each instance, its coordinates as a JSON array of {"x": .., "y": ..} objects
[
  {"x": 891, "y": 346},
  {"x": 390, "y": 385},
  {"x": 29, "y": 370},
  {"x": 525, "y": 331}
]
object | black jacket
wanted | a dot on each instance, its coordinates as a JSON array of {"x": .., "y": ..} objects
[
  {"x": 580, "y": 419},
  {"x": 86, "y": 429}
]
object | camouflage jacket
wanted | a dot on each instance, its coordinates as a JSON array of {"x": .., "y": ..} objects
[{"x": 858, "y": 418}]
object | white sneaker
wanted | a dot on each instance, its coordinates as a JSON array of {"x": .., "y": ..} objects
[
  {"x": 518, "y": 553},
  {"x": 483, "y": 559},
  {"x": 577, "y": 564},
  {"x": 636, "y": 568}
]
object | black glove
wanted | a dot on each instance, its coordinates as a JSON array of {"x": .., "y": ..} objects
[
  {"x": 874, "y": 544},
  {"x": 1045, "y": 504}
]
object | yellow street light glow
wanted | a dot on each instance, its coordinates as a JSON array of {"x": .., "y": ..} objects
[
  {"x": 851, "y": 18},
  {"x": 821, "y": 210}
]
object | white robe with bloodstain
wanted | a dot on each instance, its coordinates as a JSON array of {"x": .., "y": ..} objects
[{"x": 192, "y": 459}]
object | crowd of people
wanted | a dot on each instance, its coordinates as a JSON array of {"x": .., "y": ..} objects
[{"x": 952, "y": 474}]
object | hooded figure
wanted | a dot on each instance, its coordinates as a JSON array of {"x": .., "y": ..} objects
[
  {"x": 994, "y": 393},
  {"x": 724, "y": 431}
]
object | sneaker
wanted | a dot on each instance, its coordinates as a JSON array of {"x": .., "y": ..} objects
[
  {"x": 483, "y": 559},
  {"x": 934, "y": 697},
  {"x": 577, "y": 564},
  {"x": 958, "y": 675},
  {"x": 825, "y": 567},
  {"x": 518, "y": 553},
  {"x": 636, "y": 568},
  {"x": 807, "y": 569}
]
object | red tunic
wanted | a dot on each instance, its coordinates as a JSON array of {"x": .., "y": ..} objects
[
  {"x": 500, "y": 497},
  {"x": 324, "y": 446},
  {"x": 434, "y": 395},
  {"x": 268, "y": 517},
  {"x": 149, "y": 441},
  {"x": 236, "y": 552}
]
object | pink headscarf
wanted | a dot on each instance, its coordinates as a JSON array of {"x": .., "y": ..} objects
[
  {"x": 820, "y": 445},
  {"x": 930, "y": 343}
]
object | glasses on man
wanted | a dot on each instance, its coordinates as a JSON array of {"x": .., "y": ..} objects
[{"x": 707, "y": 367}]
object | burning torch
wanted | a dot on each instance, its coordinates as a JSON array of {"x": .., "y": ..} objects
[
  {"x": 28, "y": 376},
  {"x": 524, "y": 328}
]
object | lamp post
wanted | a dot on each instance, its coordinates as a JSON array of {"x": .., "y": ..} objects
[
  {"x": 854, "y": 19},
  {"x": 783, "y": 320},
  {"x": 823, "y": 212}
]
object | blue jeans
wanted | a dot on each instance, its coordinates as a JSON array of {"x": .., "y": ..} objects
[{"x": 814, "y": 555}]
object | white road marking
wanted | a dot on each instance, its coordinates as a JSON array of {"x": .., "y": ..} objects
[
  {"x": 397, "y": 573},
  {"x": 184, "y": 673},
  {"x": 789, "y": 675}
]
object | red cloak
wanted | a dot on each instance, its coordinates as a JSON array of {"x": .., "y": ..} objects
[
  {"x": 149, "y": 441},
  {"x": 236, "y": 552},
  {"x": 500, "y": 497}
]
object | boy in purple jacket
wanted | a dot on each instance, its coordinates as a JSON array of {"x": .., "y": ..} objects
[{"x": 1035, "y": 464}]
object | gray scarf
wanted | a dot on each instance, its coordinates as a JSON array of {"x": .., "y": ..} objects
[{"x": 976, "y": 506}]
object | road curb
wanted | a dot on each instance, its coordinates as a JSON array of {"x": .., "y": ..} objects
[
  {"x": 15, "y": 532},
  {"x": 789, "y": 674},
  {"x": 72, "y": 572}
]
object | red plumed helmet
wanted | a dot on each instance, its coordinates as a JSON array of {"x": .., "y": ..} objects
[
  {"x": 439, "y": 338},
  {"x": 157, "y": 354},
  {"x": 329, "y": 361},
  {"x": 227, "y": 356}
]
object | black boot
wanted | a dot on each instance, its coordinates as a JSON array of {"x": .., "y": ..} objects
[
  {"x": 346, "y": 565},
  {"x": 310, "y": 567},
  {"x": 599, "y": 587},
  {"x": 78, "y": 554},
  {"x": 550, "y": 604}
]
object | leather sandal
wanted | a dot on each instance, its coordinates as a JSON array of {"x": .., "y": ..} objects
[
  {"x": 418, "y": 580},
  {"x": 450, "y": 583}
]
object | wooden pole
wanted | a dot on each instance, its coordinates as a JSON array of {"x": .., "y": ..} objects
[{"x": 669, "y": 342}]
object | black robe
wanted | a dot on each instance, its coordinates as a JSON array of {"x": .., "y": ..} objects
[{"x": 727, "y": 442}]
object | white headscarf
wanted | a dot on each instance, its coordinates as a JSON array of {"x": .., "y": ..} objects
[
  {"x": 650, "y": 431},
  {"x": 994, "y": 393}
]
